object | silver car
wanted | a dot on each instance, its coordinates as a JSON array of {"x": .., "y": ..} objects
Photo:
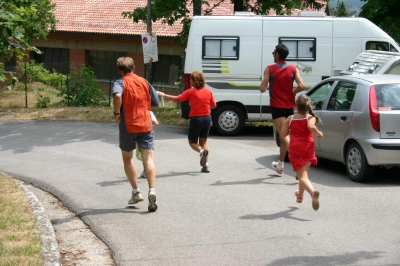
[{"x": 361, "y": 122}]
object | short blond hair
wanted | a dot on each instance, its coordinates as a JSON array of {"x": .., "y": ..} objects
[{"x": 125, "y": 64}]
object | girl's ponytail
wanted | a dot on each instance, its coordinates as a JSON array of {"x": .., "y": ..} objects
[{"x": 311, "y": 112}]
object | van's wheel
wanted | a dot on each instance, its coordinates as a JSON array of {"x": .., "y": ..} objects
[
  {"x": 357, "y": 166},
  {"x": 228, "y": 120}
]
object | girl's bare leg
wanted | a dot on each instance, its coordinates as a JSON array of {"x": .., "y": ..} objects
[{"x": 304, "y": 182}]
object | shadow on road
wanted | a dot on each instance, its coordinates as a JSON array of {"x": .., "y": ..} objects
[
  {"x": 348, "y": 258},
  {"x": 268, "y": 217}
]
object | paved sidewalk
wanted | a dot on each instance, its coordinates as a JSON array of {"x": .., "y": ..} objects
[{"x": 66, "y": 240}]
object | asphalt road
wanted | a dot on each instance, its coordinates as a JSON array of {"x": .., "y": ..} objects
[{"x": 241, "y": 213}]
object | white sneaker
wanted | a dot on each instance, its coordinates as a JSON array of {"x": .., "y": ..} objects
[
  {"x": 203, "y": 157},
  {"x": 152, "y": 202},
  {"x": 205, "y": 169},
  {"x": 278, "y": 167},
  {"x": 143, "y": 175},
  {"x": 136, "y": 198}
]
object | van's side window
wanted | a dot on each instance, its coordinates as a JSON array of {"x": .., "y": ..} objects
[
  {"x": 301, "y": 49},
  {"x": 220, "y": 47},
  {"x": 380, "y": 46}
]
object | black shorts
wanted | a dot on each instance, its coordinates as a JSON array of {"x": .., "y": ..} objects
[
  {"x": 199, "y": 127},
  {"x": 281, "y": 112}
]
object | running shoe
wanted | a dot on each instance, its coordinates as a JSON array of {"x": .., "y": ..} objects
[
  {"x": 152, "y": 202},
  {"x": 278, "y": 167},
  {"x": 203, "y": 157},
  {"x": 136, "y": 198},
  {"x": 315, "y": 200}
]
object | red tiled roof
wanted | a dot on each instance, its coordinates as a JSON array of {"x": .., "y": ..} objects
[{"x": 104, "y": 16}]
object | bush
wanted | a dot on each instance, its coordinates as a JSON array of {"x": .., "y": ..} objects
[
  {"x": 83, "y": 89},
  {"x": 43, "y": 101},
  {"x": 36, "y": 72}
]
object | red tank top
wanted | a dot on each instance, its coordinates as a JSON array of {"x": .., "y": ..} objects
[{"x": 281, "y": 77}]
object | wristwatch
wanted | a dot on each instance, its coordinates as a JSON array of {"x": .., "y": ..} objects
[{"x": 116, "y": 113}]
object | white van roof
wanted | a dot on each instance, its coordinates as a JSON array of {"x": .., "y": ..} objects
[{"x": 373, "y": 62}]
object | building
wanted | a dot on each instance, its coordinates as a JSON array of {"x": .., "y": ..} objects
[{"x": 94, "y": 33}]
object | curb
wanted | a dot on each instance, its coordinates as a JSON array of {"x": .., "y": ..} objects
[{"x": 50, "y": 249}]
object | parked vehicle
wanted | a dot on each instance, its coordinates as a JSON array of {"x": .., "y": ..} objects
[
  {"x": 233, "y": 51},
  {"x": 360, "y": 121},
  {"x": 374, "y": 62}
]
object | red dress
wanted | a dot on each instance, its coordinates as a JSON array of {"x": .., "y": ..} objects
[{"x": 301, "y": 145}]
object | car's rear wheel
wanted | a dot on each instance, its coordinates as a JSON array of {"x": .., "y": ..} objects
[
  {"x": 357, "y": 165},
  {"x": 228, "y": 120}
]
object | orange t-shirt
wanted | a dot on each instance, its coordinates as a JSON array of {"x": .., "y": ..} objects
[
  {"x": 136, "y": 103},
  {"x": 201, "y": 101}
]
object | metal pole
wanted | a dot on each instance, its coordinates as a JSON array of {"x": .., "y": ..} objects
[
  {"x": 109, "y": 84},
  {"x": 26, "y": 87},
  {"x": 148, "y": 66}
]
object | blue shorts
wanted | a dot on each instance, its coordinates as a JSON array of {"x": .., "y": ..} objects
[
  {"x": 127, "y": 141},
  {"x": 281, "y": 112},
  {"x": 199, "y": 127}
]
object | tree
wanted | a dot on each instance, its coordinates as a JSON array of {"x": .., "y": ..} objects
[
  {"x": 22, "y": 21},
  {"x": 341, "y": 10},
  {"x": 176, "y": 10},
  {"x": 384, "y": 14}
]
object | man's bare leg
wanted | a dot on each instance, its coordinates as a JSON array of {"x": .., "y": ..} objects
[
  {"x": 278, "y": 123},
  {"x": 129, "y": 168}
]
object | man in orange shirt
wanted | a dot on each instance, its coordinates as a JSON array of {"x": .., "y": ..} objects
[{"x": 133, "y": 98}]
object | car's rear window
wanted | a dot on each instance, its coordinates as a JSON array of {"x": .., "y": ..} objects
[{"x": 388, "y": 96}]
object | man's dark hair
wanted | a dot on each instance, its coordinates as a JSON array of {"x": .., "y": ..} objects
[{"x": 282, "y": 50}]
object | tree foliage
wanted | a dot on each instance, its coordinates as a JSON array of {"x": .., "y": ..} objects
[
  {"x": 341, "y": 10},
  {"x": 22, "y": 21},
  {"x": 172, "y": 11},
  {"x": 384, "y": 14}
]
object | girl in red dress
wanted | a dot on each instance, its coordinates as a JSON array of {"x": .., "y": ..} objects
[{"x": 301, "y": 127}]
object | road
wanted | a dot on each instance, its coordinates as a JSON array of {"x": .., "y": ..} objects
[{"x": 241, "y": 213}]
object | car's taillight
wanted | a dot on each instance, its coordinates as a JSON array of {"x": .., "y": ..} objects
[
  {"x": 373, "y": 109},
  {"x": 186, "y": 81}
]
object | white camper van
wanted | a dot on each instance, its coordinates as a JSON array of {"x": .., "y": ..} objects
[{"x": 233, "y": 51}]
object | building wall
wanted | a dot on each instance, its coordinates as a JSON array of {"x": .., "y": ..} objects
[
  {"x": 77, "y": 55},
  {"x": 8, "y": 75},
  {"x": 130, "y": 44},
  {"x": 78, "y": 44}
]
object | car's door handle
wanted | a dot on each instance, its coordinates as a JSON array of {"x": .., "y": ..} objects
[{"x": 343, "y": 118}]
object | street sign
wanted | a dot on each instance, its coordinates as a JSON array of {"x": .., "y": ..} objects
[{"x": 150, "y": 51}]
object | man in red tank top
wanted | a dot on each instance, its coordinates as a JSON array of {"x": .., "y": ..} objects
[{"x": 278, "y": 79}]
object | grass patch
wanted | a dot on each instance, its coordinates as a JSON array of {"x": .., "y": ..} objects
[
  {"x": 19, "y": 237},
  {"x": 165, "y": 115},
  {"x": 17, "y": 97},
  {"x": 12, "y": 103}
]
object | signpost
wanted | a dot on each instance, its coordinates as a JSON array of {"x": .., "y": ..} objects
[
  {"x": 150, "y": 51},
  {"x": 148, "y": 45}
]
